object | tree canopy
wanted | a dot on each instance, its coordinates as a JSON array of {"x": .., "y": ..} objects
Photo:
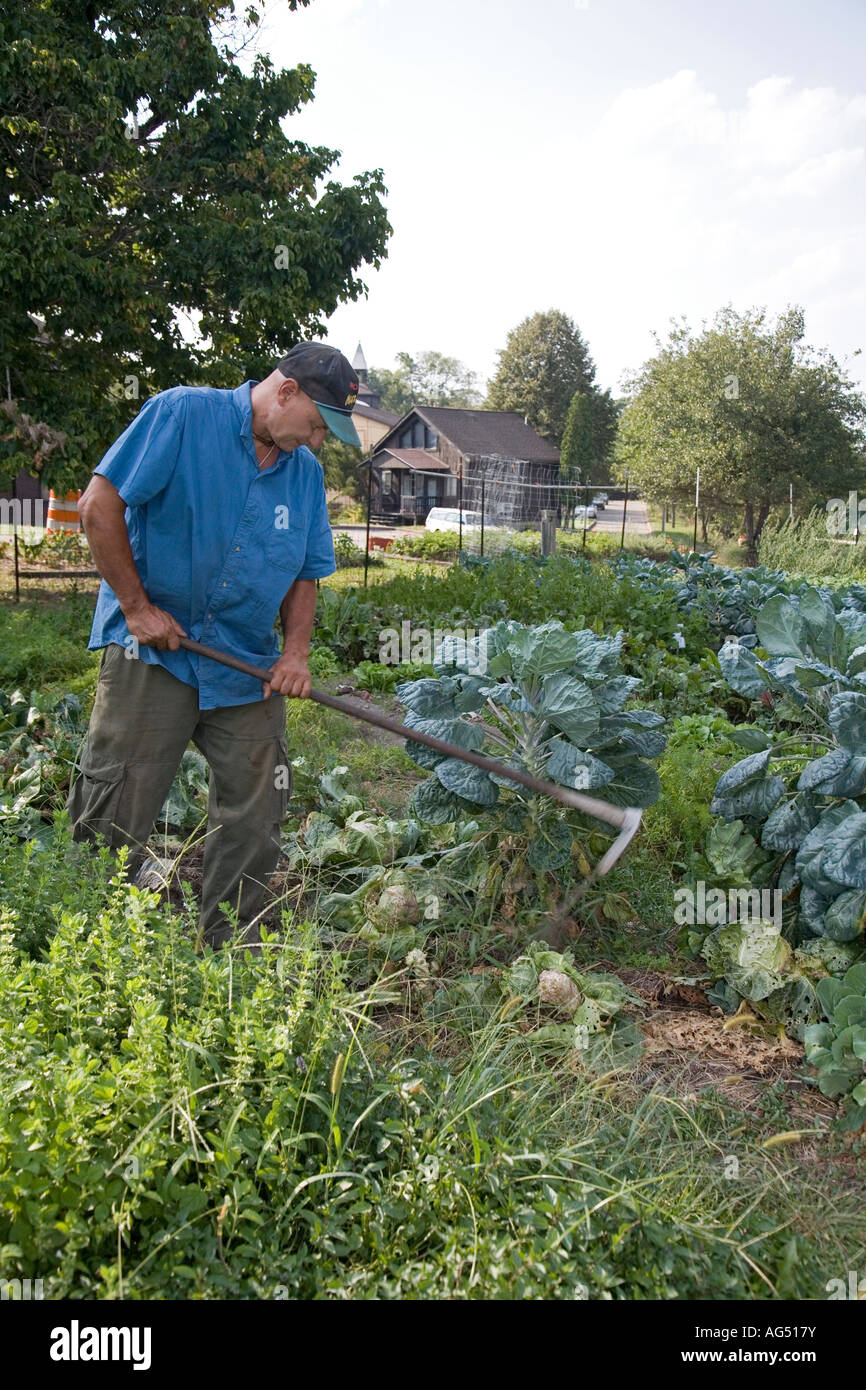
[
  {"x": 431, "y": 378},
  {"x": 146, "y": 178},
  {"x": 577, "y": 455},
  {"x": 752, "y": 406},
  {"x": 544, "y": 362}
]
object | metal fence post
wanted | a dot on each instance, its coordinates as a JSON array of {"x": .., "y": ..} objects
[{"x": 369, "y": 501}]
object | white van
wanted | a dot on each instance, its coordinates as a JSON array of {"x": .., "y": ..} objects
[{"x": 444, "y": 519}]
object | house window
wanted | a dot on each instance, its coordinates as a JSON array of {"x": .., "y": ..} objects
[
  {"x": 386, "y": 479},
  {"x": 431, "y": 439},
  {"x": 408, "y": 484}
]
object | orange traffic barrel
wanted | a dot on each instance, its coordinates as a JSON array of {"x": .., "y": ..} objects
[{"x": 63, "y": 512}]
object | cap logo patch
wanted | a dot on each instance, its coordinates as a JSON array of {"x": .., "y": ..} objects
[{"x": 351, "y": 398}]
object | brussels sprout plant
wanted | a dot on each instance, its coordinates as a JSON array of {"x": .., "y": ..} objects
[{"x": 545, "y": 700}]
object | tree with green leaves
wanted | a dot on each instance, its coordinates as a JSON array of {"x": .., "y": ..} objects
[
  {"x": 752, "y": 406},
  {"x": 159, "y": 227},
  {"x": 544, "y": 362},
  {"x": 577, "y": 455},
  {"x": 431, "y": 378},
  {"x": 343, "y": 467}
]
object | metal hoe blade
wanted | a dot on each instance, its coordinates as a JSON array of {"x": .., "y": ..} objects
[{"x": 626, "y": 819}]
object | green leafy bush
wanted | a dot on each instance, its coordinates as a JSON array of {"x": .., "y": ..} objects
[{"x": 344, "y": 623}]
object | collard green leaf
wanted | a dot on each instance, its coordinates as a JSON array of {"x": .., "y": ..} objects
[
  {"x": 844, "y": 859},
  {"x": 813, "y": 908},
  {"x": 610, "y": 695},
  {"x": 751, "y": 769},
  {"x": 634, "y": 783},
  {"x": 820, "y": 623},
  {"x": 456, "y": 731},
  {"x": 647, "y": 743},
  {"x": 741, "y": 670},
  {"x": 781, "y": 674},
  {"x": 780, "y": 628},
  {"x": 849, "y": 1012},
  {"x": 471, "y": 783},
  {"x": 830, "y": 991},
  {"x": 750, "y": 737},
  {"x": 596, "y": 656},
  {"x": 571, "y": 767},
  {"x": 551, "y": 844},
  {"x": 790, "y": 823},
  {"x": 847, "y": 718},
  {"x": 856, "y": 662},
  {"x": 539, "y": 651},
  {"x": 812, "y": 675},
  {"x": 838, "y": 773},
  {"x": 811, "y": 852},
  {"x": 433, "y": 805},
  {"x": 845, "y": 917},
  {"x": 470, "y": 696},
  {"x": 429, "y": 698},
  {"x": 754, "y": 800},
  {"x": 568, "y": 705}
]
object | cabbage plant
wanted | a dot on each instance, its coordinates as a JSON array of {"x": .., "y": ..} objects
[
  {"x": 551, "y": 702},
  {"x": 796, "y": 805}
]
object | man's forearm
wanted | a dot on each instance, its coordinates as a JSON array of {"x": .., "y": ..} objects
[
  {"x": 102, "y": 517},
  {"x": 297, "y": 615}
]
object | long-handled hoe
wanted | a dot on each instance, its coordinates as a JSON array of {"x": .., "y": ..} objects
[{"x": 624, "y": 819}]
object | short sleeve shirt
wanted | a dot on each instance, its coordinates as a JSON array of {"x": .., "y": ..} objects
[{"x": 218, "y": 542}]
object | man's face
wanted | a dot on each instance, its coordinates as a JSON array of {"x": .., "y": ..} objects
[{"x": 295, "y": 419}]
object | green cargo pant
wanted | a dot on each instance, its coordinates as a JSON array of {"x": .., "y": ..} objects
[{"x": 143, "y": 719}]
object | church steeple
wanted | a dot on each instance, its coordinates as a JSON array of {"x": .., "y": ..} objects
[{"x": 359, "y": 362}]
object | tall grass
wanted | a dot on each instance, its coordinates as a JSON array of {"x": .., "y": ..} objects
[{"x": 804, "y": 546}]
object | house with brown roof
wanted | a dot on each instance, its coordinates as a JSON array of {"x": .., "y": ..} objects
[{"x": 435, "y": 454}]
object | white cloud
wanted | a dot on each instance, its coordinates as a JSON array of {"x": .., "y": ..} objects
[{"x": 519, "y": 178}]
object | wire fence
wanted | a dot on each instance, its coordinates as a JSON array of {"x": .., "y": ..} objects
[{"x": 501, "y": 502}]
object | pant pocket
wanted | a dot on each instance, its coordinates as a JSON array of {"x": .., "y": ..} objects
[{"x": 94, "y": 800}]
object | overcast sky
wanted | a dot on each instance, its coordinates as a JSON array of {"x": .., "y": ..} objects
[{"x": 625, "y": 161}]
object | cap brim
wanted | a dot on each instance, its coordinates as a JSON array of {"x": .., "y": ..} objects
[{"x": 339, "y": 424}]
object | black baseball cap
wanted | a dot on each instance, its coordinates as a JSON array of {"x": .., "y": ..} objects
[{"x": 331, "y": 383}]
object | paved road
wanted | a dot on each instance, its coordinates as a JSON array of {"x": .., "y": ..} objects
[{"x": 635, "y": 518}]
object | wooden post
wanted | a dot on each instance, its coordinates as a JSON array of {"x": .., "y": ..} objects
[
  {"x": 15, "y": 534},
  {"x": 624, "y": 510}
]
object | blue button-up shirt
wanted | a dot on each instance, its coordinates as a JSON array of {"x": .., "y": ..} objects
[{"x": 218, "y": 542}]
